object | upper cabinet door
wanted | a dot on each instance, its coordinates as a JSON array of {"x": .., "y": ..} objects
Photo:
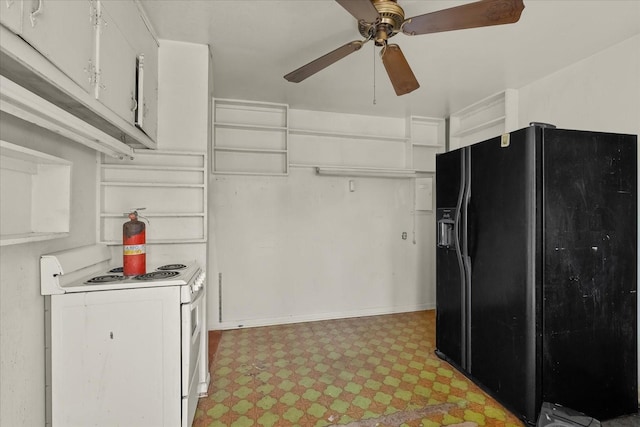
[
  {"x": 63, "y": 31},
  {"x": 11, "y": 15},
  {"x": 128, "y": 62},
  {"x": 116, "y": 63}
]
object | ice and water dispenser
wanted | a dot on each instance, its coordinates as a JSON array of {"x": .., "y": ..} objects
[{"x": 445, "y": 221}]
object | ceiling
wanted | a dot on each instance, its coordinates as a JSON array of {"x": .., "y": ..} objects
[{"x": 254, "y": 43}]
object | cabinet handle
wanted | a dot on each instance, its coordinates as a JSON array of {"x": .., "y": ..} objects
[
  {"x": 134, "y": 103},
  {"x": 38, "y": 11}
]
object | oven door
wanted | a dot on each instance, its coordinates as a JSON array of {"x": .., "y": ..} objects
[{"x": 192, "y": 329}]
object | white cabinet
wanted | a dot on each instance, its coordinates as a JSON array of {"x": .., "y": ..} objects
[
  {"x": 115, "y": 358},
  {"x": 35, "y": 189},
  {"x": 170, "y": 185},
  {"x": 63, "y": 31},
  {"x": 250, "y": 138},
  {"x": 487, "y": 118},
  {"x": 11, "y": 15},
  {"x": 116, "y": 65},
  {"x": 427, "y": 136},
  {"x": 128, "y": 65},
  {"x": 87, "y": 50}
]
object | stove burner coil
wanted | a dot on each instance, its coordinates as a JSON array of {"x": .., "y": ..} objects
[
  {"x": 157, "y": 275},
  {"x": 116, "y": 270},
  {"x": 106, "y": 279},
  {"x": 172, "y": 267}
]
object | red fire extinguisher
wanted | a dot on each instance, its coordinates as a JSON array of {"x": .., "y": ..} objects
[{"x": 134, "y": 246}]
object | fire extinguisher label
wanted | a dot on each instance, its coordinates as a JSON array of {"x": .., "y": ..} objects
[{"x": 134, "y": 249}]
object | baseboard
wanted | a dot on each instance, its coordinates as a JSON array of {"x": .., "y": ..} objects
[{"x": 252, "y": 323}]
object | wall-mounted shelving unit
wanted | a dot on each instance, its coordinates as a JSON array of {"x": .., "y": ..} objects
[
  {"x": 250, "y": 138},
  {"x": 170, "y": 185},
  {"x": 427, "y": 138},
  {"x": 259, "y": 138},
  {"x": 490, "y": 117},
  {"x": 36, "y": 195},
  {"x": 332, "y": 140}
]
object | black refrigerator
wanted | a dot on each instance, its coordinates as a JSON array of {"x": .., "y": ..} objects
[{"x": 536, "y": 269}]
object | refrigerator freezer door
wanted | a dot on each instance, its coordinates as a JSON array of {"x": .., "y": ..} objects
[
  {"x": 502, "y": 248},
  {"x": 450, "y": 334},
  {"x": 590, "y": 217}
]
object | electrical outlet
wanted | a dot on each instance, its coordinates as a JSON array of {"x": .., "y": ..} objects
[{"x": 404, "y": 235}]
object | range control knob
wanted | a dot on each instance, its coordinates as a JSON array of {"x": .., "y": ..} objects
[{"x": 199, "y": 282}]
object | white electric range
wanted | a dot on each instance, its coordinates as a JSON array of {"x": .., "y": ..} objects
[{"x": 123, "y": 350}]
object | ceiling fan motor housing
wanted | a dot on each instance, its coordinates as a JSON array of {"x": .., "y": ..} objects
[{"x": 391, "y": 19}]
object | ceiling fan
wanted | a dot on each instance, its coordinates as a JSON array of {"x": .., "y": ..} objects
[{"x": 379, "y": 20}]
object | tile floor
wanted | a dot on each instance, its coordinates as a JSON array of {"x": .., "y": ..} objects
[{"x": 360, "y": 372}]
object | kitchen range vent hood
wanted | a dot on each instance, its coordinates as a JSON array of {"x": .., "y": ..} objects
[{"x": 23, "y": 65}]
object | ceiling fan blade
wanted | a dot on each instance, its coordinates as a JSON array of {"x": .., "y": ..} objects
[
  {"x": 362, "y": 10},
  {"x": 482, "y": 13},
  {"x": 398, "y": 69},
  {"x": 323, "y": 62}
]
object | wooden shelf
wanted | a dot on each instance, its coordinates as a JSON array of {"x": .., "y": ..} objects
[
  {"x": 249, "y": 150},
  {"x": 172, "y": 185},
  {"x": 348, "y": 135},
  {"x": 250, "y": 138},
  {"x": 158, "y": 241},
  {"x": 428, "y": 145},
  {"x": 479, "y": 127},
  {"x": 427, "y": 139},
  {"x": 155, "y": 215},
  {"x": 36, "y": 191},
  {"x": 14, "y": 239},
  {"x": 152, "y": 168},
  {"x": 150, "y": 184},
  {"x": 250, "y": 173},
  {"x": 249, "y": 127},
  {"x": 487, "y": 118},
  {"x": 233, "y": 112}
]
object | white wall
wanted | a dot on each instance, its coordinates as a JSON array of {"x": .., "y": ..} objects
[
  {"x": 601, "y": 93},
  {"x": 22, "y": 357},
  {"x": 304, "y": 247},
  {"x": 185, "y": 89}
]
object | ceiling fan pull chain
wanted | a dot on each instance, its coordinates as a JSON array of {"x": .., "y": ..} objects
[{"x": 374, "y": 74}]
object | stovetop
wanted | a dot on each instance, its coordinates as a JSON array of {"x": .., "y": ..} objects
[
  {"x": 186, "y": 277},
  {"x": 90, "y": 268},
  {"x": 163, "y": 272}
]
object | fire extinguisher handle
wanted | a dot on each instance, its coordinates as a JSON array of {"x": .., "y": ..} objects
[
  {"x": 133, "y": 215},
  {"x": 145, "y": 218}
]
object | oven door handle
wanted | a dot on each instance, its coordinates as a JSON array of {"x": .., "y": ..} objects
[{"x": 195, "y": 304}]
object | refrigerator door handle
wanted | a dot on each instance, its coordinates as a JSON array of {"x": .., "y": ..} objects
[
  {"x": 466, "y": 261},
  {"x": 458, "y": 244},
  {"x": 471, "y": 230}
]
